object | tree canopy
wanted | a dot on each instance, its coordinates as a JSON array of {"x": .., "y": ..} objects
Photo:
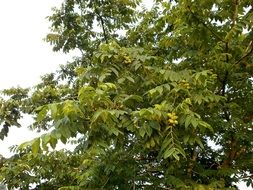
[{"x": 159, "y": 98}]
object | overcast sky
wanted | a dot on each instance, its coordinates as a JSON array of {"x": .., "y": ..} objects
[{"x": 24, "y": 56}]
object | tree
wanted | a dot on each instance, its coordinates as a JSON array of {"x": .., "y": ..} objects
[{"x": 152, "y": 90}]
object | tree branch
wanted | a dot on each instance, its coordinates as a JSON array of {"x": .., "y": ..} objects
[
  {"x": 103, "y": 27},
  {"x": 235, "y": 15},
  {"x": 230, "y": 156},
  {"x": 192, "y": 161},
  {"x": 205, "y": 25},
  {"x": 250, "y": 46},
  {"x": 102, "y": 23}
]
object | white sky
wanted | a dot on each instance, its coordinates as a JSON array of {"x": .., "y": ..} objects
[{"x": 24, "y": 56}]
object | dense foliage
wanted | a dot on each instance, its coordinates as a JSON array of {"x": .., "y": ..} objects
[{"x": 158, "y": 99}]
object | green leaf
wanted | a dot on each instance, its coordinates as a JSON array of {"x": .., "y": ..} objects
[
  {"x": 36, "y": 146},
  {"x": 53, "y": 142},
  {"x": 168, "y": 153},
  {"x": 65, "y": 132},
  {"x": 186, "y": 139},
  {"x": 148, "y": 129},
  {"x": 198, "y": 140},
  {"x": 132, "y": 100},
  {"x": 45, "y": 138},
  {"x": 188, "y": 120},
  {"x": 165, "y": 143},
  {"x": 53, "y": 109},
  {"x": 130, "y": 79},
  {"x": 42, "y": 113},
  {"x": 103, "y": 114},
  {"x": 155, "y": 125},
  {"x": 206, "y": 125},
  {"x": 114, "y": 71},
  {"x": 194, "y": 122},
  {"x": 114, "y": 131},
  {"x": 142, "y": 131},
  {"x": 176, "y": 156}
]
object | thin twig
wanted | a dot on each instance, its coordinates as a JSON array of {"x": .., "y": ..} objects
[
  {"x": 247, "y": 54},
  {"x": 103, "y": 27},
  {"x": 102, "y": 23},
  {"x": 205, "y": 25}
]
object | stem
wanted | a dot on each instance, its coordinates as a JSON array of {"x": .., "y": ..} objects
[
  {"x": 205, "y": 25},
  {"x": 250, "y": 46},
  {"x": 102, "y": 23},
  {"x": 230, "y": 155},
  {"x": 235, "y": 15},
  {"x": 103, "y": 28},
  {"x": 191, "y": 164}
]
